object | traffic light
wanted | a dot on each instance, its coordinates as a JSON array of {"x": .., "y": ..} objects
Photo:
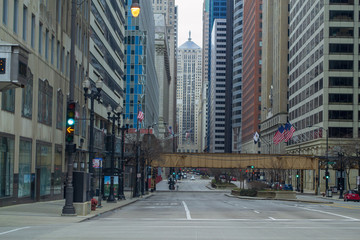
[
  {"x": 297, "y": 175},
  {"x": 327, "y": 175},
  {"x": 2, "y": 65},
  {"x": 70, "y": 122}
]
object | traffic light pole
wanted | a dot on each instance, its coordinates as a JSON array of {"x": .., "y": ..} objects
[{"x": 69, "y": 209}]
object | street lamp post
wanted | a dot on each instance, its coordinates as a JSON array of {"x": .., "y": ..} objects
[
  {"x": 146, "y": 165},
  {"x": 93, "y": 95},
  {"x": 113, "y": 118},
  {"x": 121, "y": 194},
  {"x": 341, "y": 185}
]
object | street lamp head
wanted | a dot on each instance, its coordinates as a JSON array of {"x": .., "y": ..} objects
[
  {"x": 86, "y": 85},
  {"x": 99, "y": 84},
  {"x": 135, "y": 8},
  {"x": 119, "y": 109},
  {"x": 109, "y": 109}
]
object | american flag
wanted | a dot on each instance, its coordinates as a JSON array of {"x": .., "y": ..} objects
[
  {"x": 288, "y": 132},
  {"x": 279, "y": 135},
  {"x": 170, "y": 130},
  {"x": 140, "y": 115},
  {"x": 318, "y": 133}
]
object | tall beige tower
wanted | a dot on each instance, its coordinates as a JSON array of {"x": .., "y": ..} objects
[
  {"x": 274, "y": 73},
  {"x": 188, "y": 95}
]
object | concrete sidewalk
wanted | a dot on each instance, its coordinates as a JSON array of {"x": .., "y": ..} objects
[{"x": 49, "y": 212}]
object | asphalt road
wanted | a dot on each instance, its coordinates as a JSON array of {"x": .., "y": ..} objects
[{"x": 208, "y": 215}]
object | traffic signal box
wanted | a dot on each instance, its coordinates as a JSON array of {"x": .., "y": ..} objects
[
  {"x": 70, "y": 122},
  {"x": 2, "y": 65}
]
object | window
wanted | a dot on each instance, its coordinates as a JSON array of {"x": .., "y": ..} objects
[
  {"x": 340, "y": 65},
  {"x": 45, "y": 102},
  {"x": 340, "y": 132},
  {"x": 340, "y": 115},
  {"x": 59, "y": 110},
  {"x": 340, "y": 98},
  {"x": 8, "y": 100},
  {"x": 52, "y": 49},
  {"x": 5, "y": 12},
  {"x": 342, "y": 16},
  {"x": 47, "y": 44},
  {"x": 43, "y": 163},
  {"x": 27, "y": 96},
  {"x": 340, "y": 81},
  {"x": 341, "y": 48},
  {"x": 7, "y": 151},
  {"x": 40, "y": 38},
  {"x": 24, "y": 23},
  {"x": 33, "y": 31},
  {"x": 16, "y": 15},
  {"x": 24, "y": 169}
]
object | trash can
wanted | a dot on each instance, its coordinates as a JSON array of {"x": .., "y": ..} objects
[{"x": 329, "y": 193}]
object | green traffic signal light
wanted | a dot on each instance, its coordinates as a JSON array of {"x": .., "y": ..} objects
[
  {"x": 297, "y": 175},
  {"x": 70, "y": 122},
  {"x": 252, "y": 166}
]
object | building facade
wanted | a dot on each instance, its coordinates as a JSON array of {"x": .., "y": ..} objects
[
  {"x": 324, "y": 86},
  {"x": 217, "y": 10},
  {"x": 251, "y": 74},
  {"x": 32, "y": 127},
  {"x": 142, "y": 87},
  {"x": 170, "y": 12},
  {"x": 237, "y": 74},
  {"x": 188, "y": 95},
  {"x": 217, "y": 95}
]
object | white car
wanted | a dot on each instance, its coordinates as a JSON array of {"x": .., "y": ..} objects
[{"x": 192, "y": 178}]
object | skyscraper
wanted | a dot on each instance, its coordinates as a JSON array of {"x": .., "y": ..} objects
[
  {"x": 237, "y": 74},
  {"x": 188, "y": 95},
  {"x": 324, "y": 78},
  {"x": 140, "y": 75},
  {"x": 217, "y": 87},
  {"x": 252, "y": 43},
  {"x": 169, "y": 10},
  {"x": 274, "y": 74}
]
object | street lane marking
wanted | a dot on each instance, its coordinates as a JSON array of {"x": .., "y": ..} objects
[
  {"x": 14, "y": 230},
  {"x": 272, "y": 218},
  {"x": 256, "y": 212},
  {"x": 343, "y": 206},
  {"x": 188, "y": 216},
  {"x": 334, "y": 214}
]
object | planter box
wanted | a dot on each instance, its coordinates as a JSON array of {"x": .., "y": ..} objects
[{"x": 277, "y": 194}]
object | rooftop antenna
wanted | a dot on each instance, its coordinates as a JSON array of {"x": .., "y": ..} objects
[{"x": 189, "y": 35}]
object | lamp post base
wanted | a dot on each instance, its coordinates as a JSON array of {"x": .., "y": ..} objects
[
  {"x": 121, "y": 197},
  {"x": 111, "y": 199}
]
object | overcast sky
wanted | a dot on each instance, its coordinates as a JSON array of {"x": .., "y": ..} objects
[{"x": 189, "y": 19}]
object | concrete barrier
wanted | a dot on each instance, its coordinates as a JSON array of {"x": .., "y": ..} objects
[{"x": 82, "y": 208}]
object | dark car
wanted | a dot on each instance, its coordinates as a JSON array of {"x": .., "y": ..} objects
[
  {"x": 351, "y": 195},
  {"x": 288, "y": 187}
]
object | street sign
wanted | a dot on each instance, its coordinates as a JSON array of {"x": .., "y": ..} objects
[
  {"x": 358, "y": 180},
  {"x": 138, "y": 175}
]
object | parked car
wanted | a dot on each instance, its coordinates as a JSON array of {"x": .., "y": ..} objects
[
  {"x": 233, "y": 179},
  {"x": 192, "y": 178},
  {"x": 185, "y": 176},
  {"x": 351, "y": 195},
  {"x": 288, "y": 187}
]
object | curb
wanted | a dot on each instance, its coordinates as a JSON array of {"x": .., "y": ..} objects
[
  {"x": 290, "y": 200},
  {"x": 115, "y": 208}
]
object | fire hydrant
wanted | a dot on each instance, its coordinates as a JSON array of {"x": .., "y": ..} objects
[{"x": 94, "y": 202}]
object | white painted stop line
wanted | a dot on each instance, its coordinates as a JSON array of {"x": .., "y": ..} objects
[{"x": 14, "y": 230}]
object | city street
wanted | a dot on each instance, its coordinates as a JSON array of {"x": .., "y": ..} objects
[{"x": 194, "y": 212}]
